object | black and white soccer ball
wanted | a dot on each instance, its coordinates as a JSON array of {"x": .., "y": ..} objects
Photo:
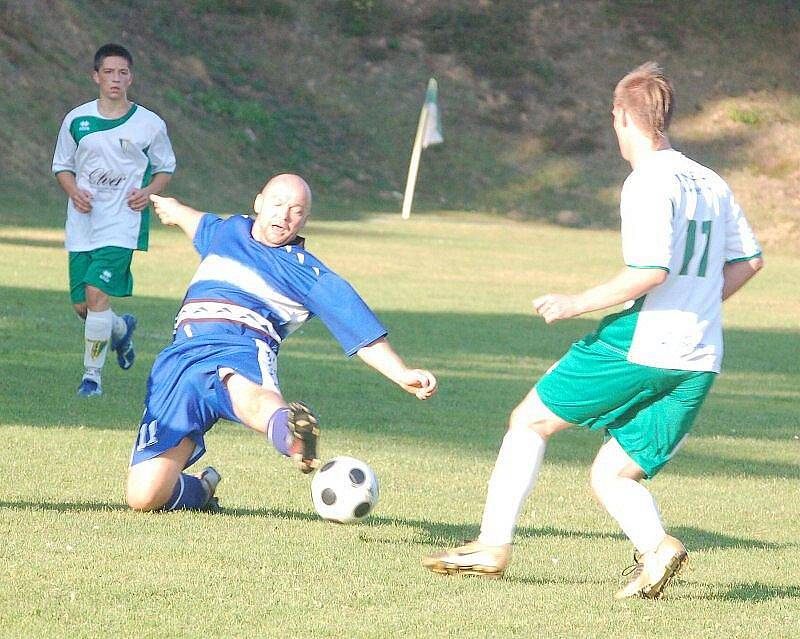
[{"x": 345, "y": 490}]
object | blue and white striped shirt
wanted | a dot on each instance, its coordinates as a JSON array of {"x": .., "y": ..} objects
[{"x": 247, "y": 289}]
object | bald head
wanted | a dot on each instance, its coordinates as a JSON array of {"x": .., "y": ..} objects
[
  {"x": 282, "y": 208},
  {"x": 293, "y": 183}
]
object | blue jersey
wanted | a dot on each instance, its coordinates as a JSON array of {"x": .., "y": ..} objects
[
  {"x": 244, "y": 299},
  {"x": 244, "y": 288}
]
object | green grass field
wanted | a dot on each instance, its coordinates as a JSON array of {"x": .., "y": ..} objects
[{"x": 455, "y": 292}]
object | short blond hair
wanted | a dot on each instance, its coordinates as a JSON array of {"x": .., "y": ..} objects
[{"x": 646, "y": 94}]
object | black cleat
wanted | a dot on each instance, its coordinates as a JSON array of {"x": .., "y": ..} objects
[{"x": 304, "y": 426}]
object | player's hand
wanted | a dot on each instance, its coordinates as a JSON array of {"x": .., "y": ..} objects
[
  {"x": 167, "y": 208},
  {"x": 420, "y": 383},
  {"x": 138, "y": 199},
  {"x": 82, "y": 200},
  {"x": 553, "y": 307}
]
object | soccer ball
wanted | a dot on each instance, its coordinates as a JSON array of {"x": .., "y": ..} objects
[{"x": 345, "y": 489}]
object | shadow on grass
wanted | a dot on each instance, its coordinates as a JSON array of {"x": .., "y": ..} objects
[
  {"x": 32, "y": 242},
  {"x": 485, "y": 362},
  {"x": 752, "y": 592},
  {"x": 700, "y": 539},
  {"x": 64, "y": 507},
  {"x": 436, "y": 532}
]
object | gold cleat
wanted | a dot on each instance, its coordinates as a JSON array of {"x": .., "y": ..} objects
[
  {"x": 653, "y": 570},
  {"x": 473, "y": 558}
]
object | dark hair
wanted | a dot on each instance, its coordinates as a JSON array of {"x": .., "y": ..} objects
[{"x": 111, "y": 50}]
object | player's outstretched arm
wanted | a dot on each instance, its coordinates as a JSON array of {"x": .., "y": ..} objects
[
  {"x": 382, "y": 357},
  {"x": 138, "y": 198},
  {"x": 737, "y": 274},
  {"x": 628, "y": 284},
  {"x": 173, "y": 213}
]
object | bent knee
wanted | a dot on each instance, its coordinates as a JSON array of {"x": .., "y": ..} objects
[
  {"x": 146, "y": 496},
  {"x": 542, "y": 424}
]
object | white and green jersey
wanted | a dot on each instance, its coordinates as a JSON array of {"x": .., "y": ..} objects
[
  {"x": 681, "y": 217},
  {"x": 110, "y": 158}
]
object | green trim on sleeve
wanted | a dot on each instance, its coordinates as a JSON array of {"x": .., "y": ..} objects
[
  {"x": 662, "y": 268},
  {"x": 743, "y": 259}
]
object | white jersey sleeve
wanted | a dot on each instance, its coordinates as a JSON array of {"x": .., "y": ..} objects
[
  {"x": 162, "y": 157},
  {"x": 740, "y": 241},
  {"x": 64, "y": 154},
  {"x": 647, "y": 225}
]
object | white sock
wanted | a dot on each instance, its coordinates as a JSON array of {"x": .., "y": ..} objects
[
  {"x": 625, "y": 499},
  {"x": 118, "y": 327},
  {"x": 635, "y": 510},
  {"x": 512, "y": 480},
  {"x": 91, "y": 373},
  {"x": 96, "y": 333}
]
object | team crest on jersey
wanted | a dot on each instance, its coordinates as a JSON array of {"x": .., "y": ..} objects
[{"x": 126, "y": 145}]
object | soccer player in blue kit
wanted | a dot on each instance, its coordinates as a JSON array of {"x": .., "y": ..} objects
[{"x": 255, "y": 285}]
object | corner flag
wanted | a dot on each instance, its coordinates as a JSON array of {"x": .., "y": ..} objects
[
  {"x": 429, "y": 132},
  {"x": 433, "y": 125}
]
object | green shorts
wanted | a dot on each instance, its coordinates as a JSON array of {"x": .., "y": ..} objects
[
  {"x": 648, "y": 410},
  {"x": 107, "y": 268}
]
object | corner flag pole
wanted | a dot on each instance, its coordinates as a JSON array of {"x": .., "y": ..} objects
[
  {"x": 413, "y": 167},
  {"x": 428, "y": 133}
]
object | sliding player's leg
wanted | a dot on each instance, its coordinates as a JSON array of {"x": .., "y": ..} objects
[
  {"x": 292, "y": 429},
  {"x": 180, "y": 407},
  {"x": 159, "y": 483}
]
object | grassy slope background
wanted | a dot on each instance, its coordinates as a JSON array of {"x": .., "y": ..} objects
[{"x": 332, "y": 89}]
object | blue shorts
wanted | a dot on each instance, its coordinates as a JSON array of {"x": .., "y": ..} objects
[{"x": 186, "y": 393}]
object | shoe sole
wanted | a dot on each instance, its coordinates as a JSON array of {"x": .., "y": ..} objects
[
  {"x": 95, "y": 393},
  {"x": 212, "y": 506},
  {"x": 305, "y": 427},
  {"x": 674, "y": 567},
  {"x": 477, "y": 570},
  {"x": 128, "y": 338}
]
